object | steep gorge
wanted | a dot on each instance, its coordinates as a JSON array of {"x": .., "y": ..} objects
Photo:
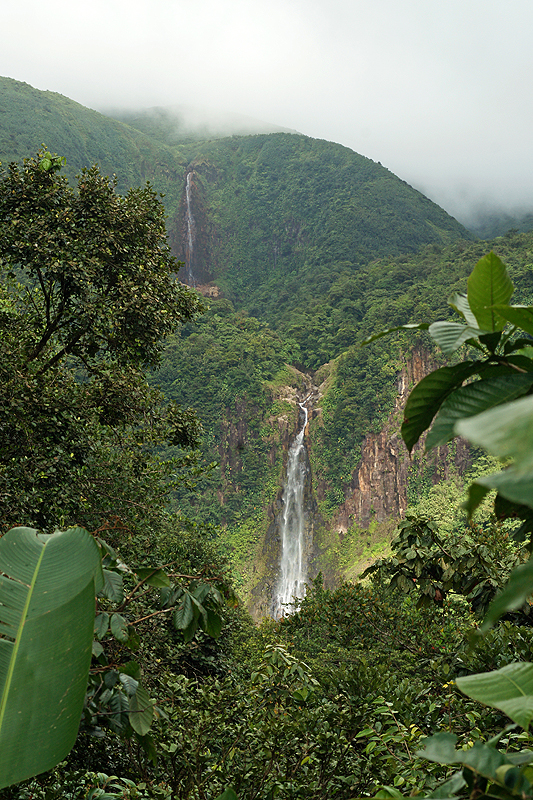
[{"x": 376, "y": 493}]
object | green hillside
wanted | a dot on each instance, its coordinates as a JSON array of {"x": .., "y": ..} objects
[
  {"x": 276, "y": 215},
  {"x": 307, "y": 247},
  {"x": 29, "y": 118},
  {"x": 231, "y": 368},
  {"x": 279, "y": 216}
]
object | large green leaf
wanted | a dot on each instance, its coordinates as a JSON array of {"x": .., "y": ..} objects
[
  {"x": 460, "y": 303},
  {"x": 517, "y": 590},
  {"x": 512, "y": 484},
  {"x": 47, "y": 590},
  {"x": 489, "y": 285},
  {"x": 472, "y": 399},
  {"x": 451, "y": 335},
  {"x": 141, "y": 711},
  {"x": 483, "y": 759},
  {"x": 184, "y": 614},
  {"x": 428, "y": 396},
  {"x": 153, "y": 576},
  {"x": 510, "y": 689},
  {"x": 521, "y": 316},
  {"x": 113, "y": 587},
  {"x": 505, "y": 431}
]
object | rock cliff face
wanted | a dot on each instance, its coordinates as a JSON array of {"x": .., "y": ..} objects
[
  {"x": 377, "y": 491},
  {"x": 378, "y": 487}
]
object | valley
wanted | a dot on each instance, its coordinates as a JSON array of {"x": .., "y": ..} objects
[{"x": 193, "y": 381}]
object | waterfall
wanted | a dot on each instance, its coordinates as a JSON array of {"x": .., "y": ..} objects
[
  {"x": 293, "y": 568},
  {"x": 189, "y": 244}
]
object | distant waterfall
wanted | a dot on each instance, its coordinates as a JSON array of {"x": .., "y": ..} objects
[
  {"x": 293, "y": 570},
  {"x": 189, "y": 244}
]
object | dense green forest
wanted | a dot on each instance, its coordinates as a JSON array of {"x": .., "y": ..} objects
[{"x": 306, "y": 249}]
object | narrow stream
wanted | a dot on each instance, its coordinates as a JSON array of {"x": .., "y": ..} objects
[{"x": 293, "y": 568}]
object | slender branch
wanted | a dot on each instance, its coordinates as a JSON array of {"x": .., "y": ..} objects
[
  {"x": 505, "y": 363},
  {"x": 142, "y": 619},
  {"x": 63, "y": 352}
]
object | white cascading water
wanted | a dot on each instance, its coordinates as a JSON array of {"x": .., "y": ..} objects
[
  {"x": 189, "y": 246},
  {"x": 293, "y": 569}
]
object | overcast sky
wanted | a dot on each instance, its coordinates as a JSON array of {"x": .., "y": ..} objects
[{"x": 438, "y": 91}]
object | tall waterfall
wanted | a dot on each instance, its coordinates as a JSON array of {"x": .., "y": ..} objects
[
  {"x": 293, "y": 570},
  {"x": 189, "y": 244}
]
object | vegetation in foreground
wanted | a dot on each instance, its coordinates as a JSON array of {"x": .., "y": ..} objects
[{"x": 185, "y": 697}]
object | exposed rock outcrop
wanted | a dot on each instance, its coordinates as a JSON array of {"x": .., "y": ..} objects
[{"x": 378, "y": 487}]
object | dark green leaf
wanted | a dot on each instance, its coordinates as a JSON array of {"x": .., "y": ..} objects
[
  {"x": 131, "y": 668},
  {"x": 213, "y": 624},
  {"x": 129, "y": 683},
  {"x": 148, "y": 745},
  {"x": 489, "y": 285},
  {"x": 153, "y": 577},
  {"x": 113, "y": 587},
  {"x": 201, "y": 592},
  {"x": 428, "y": 396},
  {"x": 472, "y": 399},
  {"x": 228, "y": 794},
  {"x": 476, "y": 494},
  {"x": 141, "y": 711},
  {"x": 97, "y": 649},
  {"x": 119, "y": 627},
  {"x": 517, "y": 591},
  {"x": 184, "y": 614},
  {"x": 101, "y": 624}
]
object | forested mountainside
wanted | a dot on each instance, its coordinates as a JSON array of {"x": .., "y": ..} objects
[
  {"x": 303, "y": 247},
  {"x": 233, "y": 369},
  {"x": 278, "y": 215},
  {"x": 29, "y": 118}
]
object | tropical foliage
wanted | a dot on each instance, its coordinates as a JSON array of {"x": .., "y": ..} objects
[
  {"x": 494, "y": 410},
  {"x": 47, "y": 593},
  {"x": 87, "y": 295},
  {"x": 186, "y": 697}
]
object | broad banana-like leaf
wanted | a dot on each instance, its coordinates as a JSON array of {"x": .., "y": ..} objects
[{"x": 47, "y": 597}]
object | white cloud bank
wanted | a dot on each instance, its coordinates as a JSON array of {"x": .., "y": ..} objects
[{"x": 438, "y": 92}]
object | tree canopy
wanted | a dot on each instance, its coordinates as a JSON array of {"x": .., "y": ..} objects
[{"x": 88, "y": 294}]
